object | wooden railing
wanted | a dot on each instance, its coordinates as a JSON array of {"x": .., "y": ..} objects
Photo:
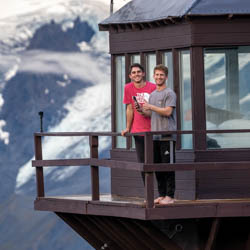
[{"x": 148, "y": 166}]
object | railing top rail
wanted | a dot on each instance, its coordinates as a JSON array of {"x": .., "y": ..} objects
[
  {"x": 178, "y": 132},
  {"x": 77, "y": 134}
]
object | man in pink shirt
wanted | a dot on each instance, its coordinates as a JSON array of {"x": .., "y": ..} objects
[{"x": 136, "y": 122}]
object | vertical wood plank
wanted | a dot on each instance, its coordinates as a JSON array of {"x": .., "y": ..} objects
[
  {"x": 171, "y": 151},
  {"x": 113, "y": 99},
  {"x": 39, "y": 170},
  {"x": 93, "y": 142},
  {"x": 213, "y": 233},
  {"x": 128, "y": 142},
  {"x": 149, "y": 176},
  {"x": 198, "y": 97},
  {"x": 143, "y": 60},
  {"x": 176, "y": 79},
  {"x": 127, "y": 66},
  {"x": 158, "y": 57}
]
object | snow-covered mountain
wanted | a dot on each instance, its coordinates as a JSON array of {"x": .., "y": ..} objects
[{"x": 52, "y": 59}]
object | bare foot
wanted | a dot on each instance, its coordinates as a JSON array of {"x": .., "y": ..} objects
[
  {"x": 157, "y": 200},
  {"x": 166, "y": 200}
]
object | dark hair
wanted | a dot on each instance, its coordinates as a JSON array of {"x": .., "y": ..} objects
[
  {"x": 162, "y": 68},
  {"x": 136, "y": 65}
]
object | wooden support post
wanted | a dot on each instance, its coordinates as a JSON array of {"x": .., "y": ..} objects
[
  {"x": 39, "y": 170},
  {"x": 198, "y": 98},
  {"x": 93, "y": 142},
  {"x": 213, "y": 233},
  {"x": 176, "y": 81},
  {"x": 158, "y": 57},
  {"x": 172, "y": 153},
  {"x": 149, "y": 176},
  {"x": 113, "y": 99},
  {"x": 128, "y": 142},
  {"x": 247, "y": 247}
]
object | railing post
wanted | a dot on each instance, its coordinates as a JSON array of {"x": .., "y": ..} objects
[
  {"x": 172, "y": 151},
  {"x": 39, "y": 170},
  {"x": 149, "y": 176},
  {"x": 93, "y": 142},
  {"x": 128, "y": 142}
]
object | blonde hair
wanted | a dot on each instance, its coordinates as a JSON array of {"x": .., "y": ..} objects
[{"x": 161, "y": 67}]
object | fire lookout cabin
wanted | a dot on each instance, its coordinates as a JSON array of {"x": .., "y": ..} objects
[{"x": 206, "y": 46}]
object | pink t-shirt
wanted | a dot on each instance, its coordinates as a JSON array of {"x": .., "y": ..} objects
[{"x": 140, "y": 122}]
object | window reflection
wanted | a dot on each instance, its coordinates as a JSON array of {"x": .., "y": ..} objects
[
  {"x": 185, "y": 99},
  {"x": 228, "y": 95},
  {"x": 150, "y": 64},
  {"x": 120, "y": 107},
  {"x": 168, "y": 61},
  {"x": 135, "y": 59}
]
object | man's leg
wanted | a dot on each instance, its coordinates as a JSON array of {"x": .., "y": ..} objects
[
  {"x": 160, "y": 177},
  {"x": 168, "y": 177}
]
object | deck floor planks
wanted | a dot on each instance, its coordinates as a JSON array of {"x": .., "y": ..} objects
[{"x": 134, "y": 207}]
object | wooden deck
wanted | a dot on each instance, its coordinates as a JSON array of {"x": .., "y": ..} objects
[{"x": 135, "y": 208}]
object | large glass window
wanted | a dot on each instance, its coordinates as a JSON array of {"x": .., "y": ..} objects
[
  {"x": 185, "y": 99},
  {"x": 120, "y": 107},
  {"x": 227, "y": 74},
  {"x": 135, "y": 58},
  {"x": 168, "y": 61},
  {"x": 150, "y": 64}
]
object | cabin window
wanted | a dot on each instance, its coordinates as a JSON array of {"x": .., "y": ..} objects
[
  {"x": 167, "y": 60},
  {"x": 135, "y": 59},
  {"x": 150, "y": 64},
  {"x": 120, "y": 114},
  {"x": 227, "y": 95},
  {"x": 185, "y": 99}
]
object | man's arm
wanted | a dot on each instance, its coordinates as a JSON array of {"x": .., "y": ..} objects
[
  {"x": 129, "y": 119},
  {"x": 142, "y": 111},
  {"x": 166, "y": 111}
]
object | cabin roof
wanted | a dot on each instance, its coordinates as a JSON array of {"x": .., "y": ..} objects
[{"x": 139, "y": 11}]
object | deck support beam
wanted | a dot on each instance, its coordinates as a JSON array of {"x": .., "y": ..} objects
[{"x": 213, "y": 234}]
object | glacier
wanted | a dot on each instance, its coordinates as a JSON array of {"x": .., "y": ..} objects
[{"x": 87, "y": 108}]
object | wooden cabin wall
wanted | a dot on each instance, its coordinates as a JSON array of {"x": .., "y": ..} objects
[
  {"x": 125, "y": 182},
  {"x": 220, "y": 31},
  {"x": 207, "y": 31},
  {"x": 194, "y": 32},
  {"x": 189, "y": 184},
  {"x": 223, "y": 183},
  {"x": 167, "y": 37}
]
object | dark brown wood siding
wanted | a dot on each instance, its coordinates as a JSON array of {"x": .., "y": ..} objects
[
  {"x": 189, "y": 184},
  {"x": 125, "y": 182},
  {"x": 168, "y": 37},
  {"x": 220, "y": 31}
]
